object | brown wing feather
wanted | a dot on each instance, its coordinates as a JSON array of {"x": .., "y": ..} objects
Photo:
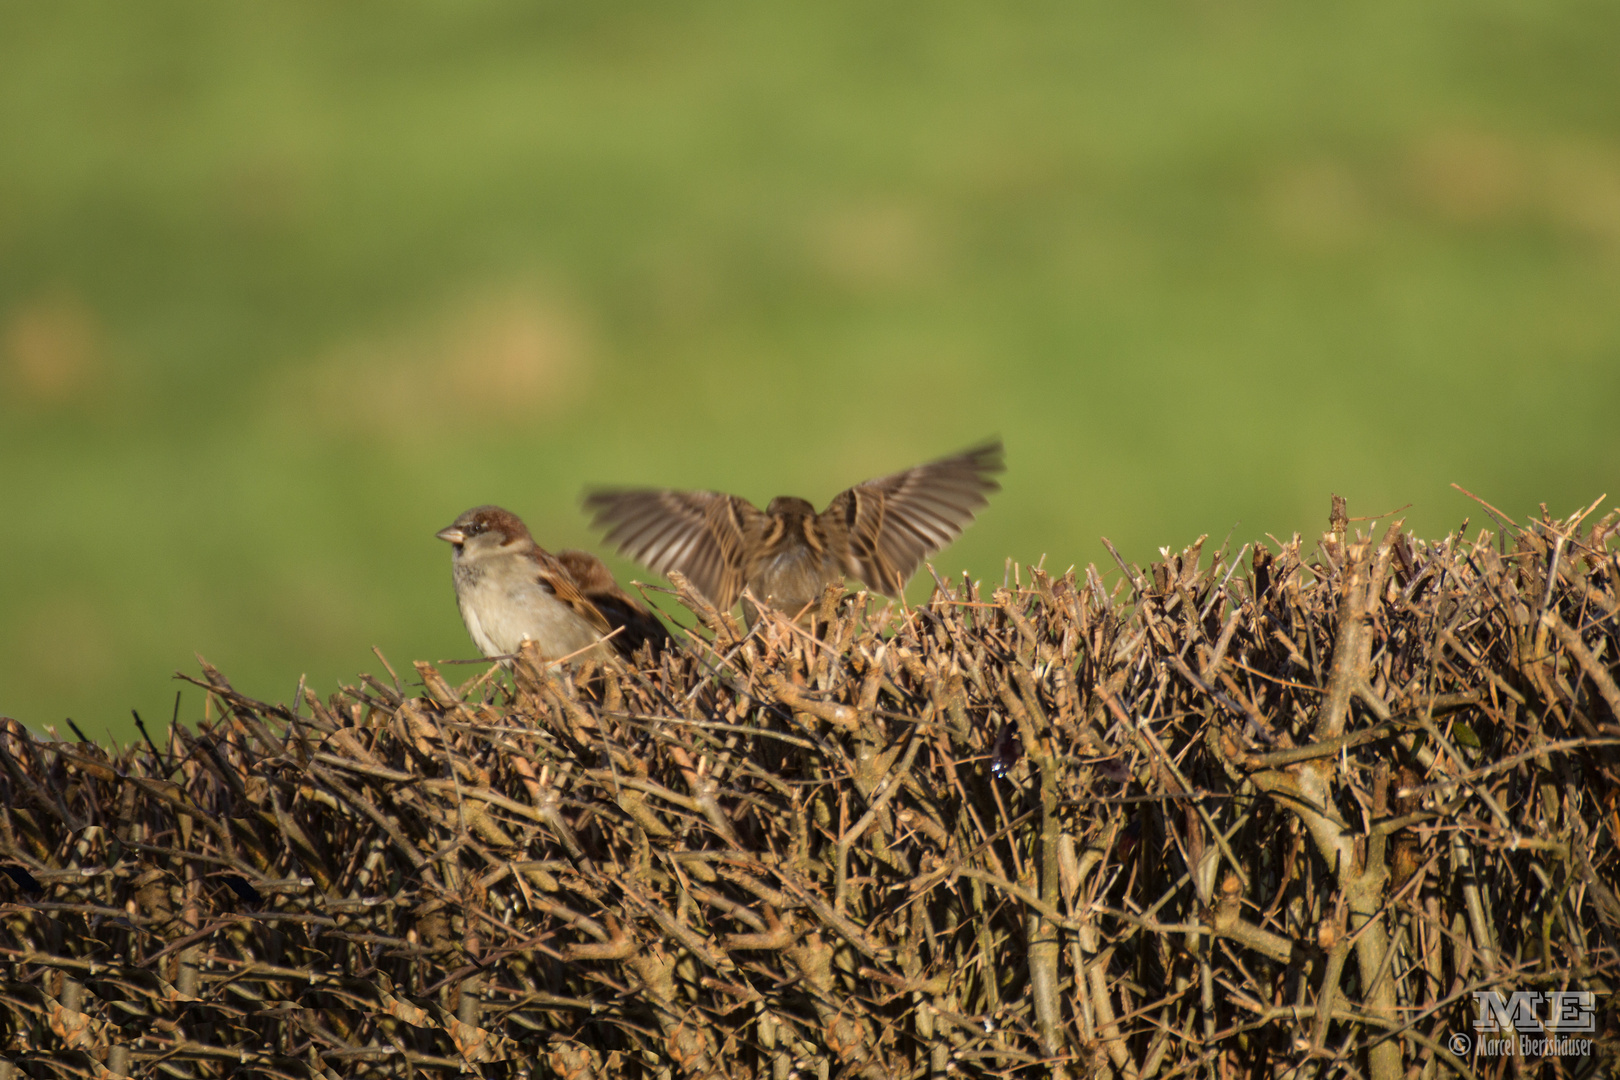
[
  {"x": 634, "y": 623},
  {"x": 554, "y": 577},
  {"x": 894, "y": 522},
  {"x": 703, "y": 534}
]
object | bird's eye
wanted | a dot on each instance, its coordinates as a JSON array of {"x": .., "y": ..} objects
[{"x": 473, "y": 528}]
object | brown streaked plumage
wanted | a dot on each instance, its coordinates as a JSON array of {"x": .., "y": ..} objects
[
  {"x": 635, "y": 625},
  {"x": 879, "y": 531},
  {"x": 511, "y": 590}
]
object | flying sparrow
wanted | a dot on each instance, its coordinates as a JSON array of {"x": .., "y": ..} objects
[
  {"x": 510, "y": 590},
  {"x": 877, "y": 531}
]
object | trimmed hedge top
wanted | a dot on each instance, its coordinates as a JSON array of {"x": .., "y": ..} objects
[{"x": 1238, "y": 815}]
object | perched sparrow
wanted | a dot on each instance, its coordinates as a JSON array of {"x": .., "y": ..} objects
[
  {"x": 877, "y": 531},
  {"x": 510, "y": 589}
]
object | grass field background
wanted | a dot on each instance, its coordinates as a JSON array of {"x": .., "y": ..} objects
[{"x": 284, "y": 288}]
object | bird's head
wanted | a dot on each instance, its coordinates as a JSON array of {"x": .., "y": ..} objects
[
  {"x": 484, "y": 531},
  {"x": 789, "y": 507}
]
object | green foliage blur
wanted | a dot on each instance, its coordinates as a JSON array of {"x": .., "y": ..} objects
[{"x": 285, "y": 287}]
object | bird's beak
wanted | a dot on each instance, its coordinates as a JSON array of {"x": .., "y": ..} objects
[{"x": 452, "y": 535}]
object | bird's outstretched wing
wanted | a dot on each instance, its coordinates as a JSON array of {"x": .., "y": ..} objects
[
  {"x": 894, "y": 522},
  {"x": 703, "y": 534},
  {"x": 634, "y": 623}
]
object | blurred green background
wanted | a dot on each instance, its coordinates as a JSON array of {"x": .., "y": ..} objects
[{"x": 285, "y": 287}]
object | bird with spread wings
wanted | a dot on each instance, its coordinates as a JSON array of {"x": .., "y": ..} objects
[{"x": 786, "y": 554}]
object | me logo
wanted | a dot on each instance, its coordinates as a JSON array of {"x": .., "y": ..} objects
[{"x": 1567, "y": 1010}]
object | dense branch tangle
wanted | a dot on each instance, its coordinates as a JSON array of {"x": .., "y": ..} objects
[{"x": 1254, "y": 814}]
